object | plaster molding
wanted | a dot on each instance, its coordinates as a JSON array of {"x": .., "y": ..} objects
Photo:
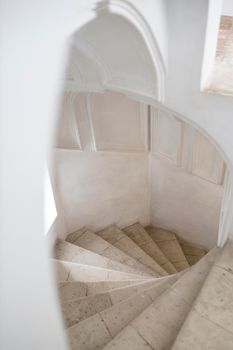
[
  {"x": 157, "y": 133},
  {"x": 90, "y": 120},
  {"x": 69, "y": 113},
  {"x": 216, "y": 173},
  {"x": 131, "y": 91},
  {"x": 91, "y": 53},
  {"x": 226, "y": 217},
  {"x": 142, "y": 125},
  {"x": 79, "y": 119},
  {"x": 190, "y": 123},
  {"x": 77, "y": 87},
  {"x": 75, "y": 70},
  {"x": 187, "y": 152},
  {"x": 126, "y": 84}
]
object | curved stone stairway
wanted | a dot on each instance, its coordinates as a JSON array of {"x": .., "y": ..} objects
[{"x": 144, "y": 289}]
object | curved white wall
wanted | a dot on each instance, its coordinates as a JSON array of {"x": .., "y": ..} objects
[
  {"x": 184, "y": 203},
  {"x": 155, "y": 14},
  {"x": 106, "y": 174},
  {"x": 212, "y": 113}
]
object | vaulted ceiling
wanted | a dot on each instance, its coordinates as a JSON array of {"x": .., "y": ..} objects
[{"x": 110, "y": 53}]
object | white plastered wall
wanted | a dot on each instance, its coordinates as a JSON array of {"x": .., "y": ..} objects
[
  {"x": 155, "y": 13},
  {"x": 184, "y": 203},
  {"x": 99, "y": 189},
  {"x": 208, "y": 112},
  {"x": 227, "y": 8}
]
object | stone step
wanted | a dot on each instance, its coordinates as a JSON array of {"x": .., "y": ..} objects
[
  {"x": 79, "y": 309},
  {"x": 170, "y": 246},
  {"x": 89, "y": 240},
  {"x": 119, "y": 239},
  {"x": 74, "y": 290},
  {"x": 67, "y": 271},
  {"x": 70, "y": 252},
  {"x": 157, "y": 326},
  {"x": 98, "y": 330},
  {"x": 209, "y": 325},
  {"x": 121, "y": 314},
  {"x": 141, "y": 237},
  {"x": 192, "y": 252}
]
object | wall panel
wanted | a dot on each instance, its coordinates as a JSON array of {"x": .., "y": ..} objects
[
  {"x": 166, "y": 136},
  {"x": 207, "y": 163},
  {"x": 119, "y": 123}
]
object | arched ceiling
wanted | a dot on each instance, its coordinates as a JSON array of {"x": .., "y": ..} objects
[
  {"x": 109, "y": 51},
  {"x": 83, "y": 71}
]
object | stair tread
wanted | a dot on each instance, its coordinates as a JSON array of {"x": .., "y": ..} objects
[
  {"x": 82, "y": 339},
  {"x": 192, "y": 252},
  {"x": 71, "y": 252},
  {"x": 141, "y": 237},
  {"x": 119, "y": 239},
  {"x": 81, "y": 308},
  {"x": 193, "y": 259},
  {"x": 69, "y": 271},
  {"x": 89, "y": 240},
  {"x": 118, "y": 317},
  {"x": 113, "y": 319},
  {"x": 167, "y": 312},
  {"x": 191, "y": 248},
  {"x": 181, "y": 265},
  {"x": 129, "y": 339},
  {"x": 200, "y": 333},
  {"x": 110, "y": 301},
  {"x": 212, "y": 315},
  {"x": 170, "y": 246}
]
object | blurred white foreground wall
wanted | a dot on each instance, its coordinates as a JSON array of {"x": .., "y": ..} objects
[{"x": 33, "y": 45}]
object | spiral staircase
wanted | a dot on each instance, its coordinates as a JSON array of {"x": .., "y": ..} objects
[{"x": 143, "y": 288}]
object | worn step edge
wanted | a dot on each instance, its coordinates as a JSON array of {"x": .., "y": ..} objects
[
  {"x": 68, "y": 291},
  {"x": 66, "y": 251},
  {"x": 169, "y": 245},
  {"x": 127, "y": 245},
  {"x": 193, "y": 252},
  {"x": 150, "y": 247},
  {"x": 90, "y": 241},
  {"x": 68, "y": 271},
  {"x": 75, "y": 311}
]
